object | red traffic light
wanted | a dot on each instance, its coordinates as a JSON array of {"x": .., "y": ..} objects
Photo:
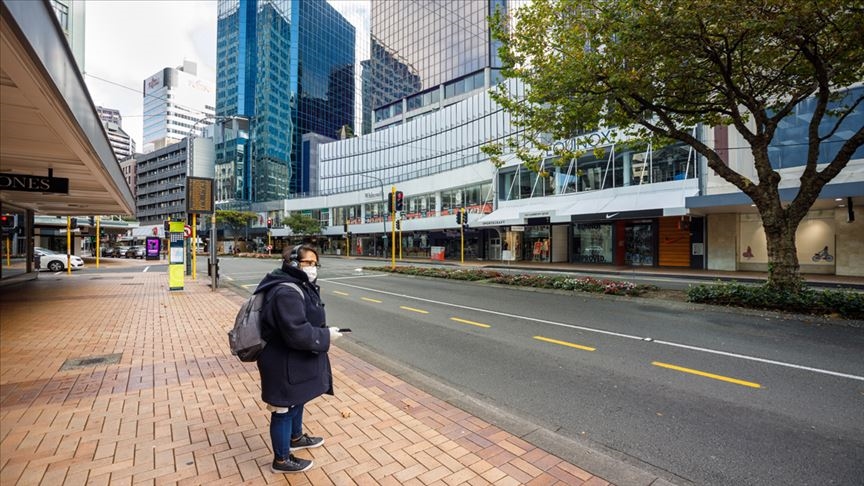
[
  {"x": 399, "y": 198},
  {"x": 269, "y": 222},
  {"x": 7, "y": 221}
]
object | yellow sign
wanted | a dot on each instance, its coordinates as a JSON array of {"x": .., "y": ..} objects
[{"x": 199, "y": 195}]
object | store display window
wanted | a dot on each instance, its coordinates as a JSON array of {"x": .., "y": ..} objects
[
  {"x": 535, "y": 246},
  {"x": 592, "y": 243},
  {"x": 639, "y": 243}
]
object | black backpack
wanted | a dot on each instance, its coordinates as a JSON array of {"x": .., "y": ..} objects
[{"x": 245, "y": 338}]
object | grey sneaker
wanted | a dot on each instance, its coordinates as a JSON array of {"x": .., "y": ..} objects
[
  {"x": 306, "y": 442},
  {"x": 291, "y": 465}
]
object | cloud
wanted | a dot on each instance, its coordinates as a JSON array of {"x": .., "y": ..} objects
[{"x": 128, "y": 41}]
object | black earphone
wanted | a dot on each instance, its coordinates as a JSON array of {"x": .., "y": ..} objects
[{"x": 294, "y": 257}]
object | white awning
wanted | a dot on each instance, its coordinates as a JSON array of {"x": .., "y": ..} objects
[
  {"x": 648, "y": 200},
  {"x": 667, "y": 197}
]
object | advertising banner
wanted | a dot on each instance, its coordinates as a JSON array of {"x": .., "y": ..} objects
[{"x": 176, "y": 255}]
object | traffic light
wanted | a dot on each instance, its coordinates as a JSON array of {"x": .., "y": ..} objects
[
  {"x": 390, "y": 206},
  {"x": 7, "y": 222},
  {"x": 92, "y": 221},
  {"x": 346, "y": 227},
  {"x": 399, "y": 204},
  {"x": 269, "y": 223},
  {"x": 459, "y": 216},
  {"x": 167, "y": 226},
  {"x": 398, "y": 225},
  {"x": 74, "y": 223}
]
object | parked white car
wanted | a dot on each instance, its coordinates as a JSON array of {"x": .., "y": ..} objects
[{"x": 55, "y": 262}]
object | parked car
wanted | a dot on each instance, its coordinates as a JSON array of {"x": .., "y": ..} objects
[
  {"x": 119, "y": 251},
  {"x": 55, "y": 262},
  {"x": 135, "y": 252},
  {"x": 106, "y": 251}
]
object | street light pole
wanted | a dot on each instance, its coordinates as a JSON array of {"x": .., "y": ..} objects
[{"x": 383, "y": 201}]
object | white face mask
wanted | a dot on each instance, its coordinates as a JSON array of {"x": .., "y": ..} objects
[{"x": 311, "y": 272}]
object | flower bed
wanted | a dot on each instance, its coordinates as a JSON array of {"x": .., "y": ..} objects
[{"x": 583, "y": 284}]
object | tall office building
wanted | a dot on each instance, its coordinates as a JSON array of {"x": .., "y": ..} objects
[
  {"x": 176, "y": 103},
  {"x": 121, "y": 143},
  {"x": 425, "y": 54},
  {"x": 70, "y": 14},
  {"x": 288, "y": 68}
]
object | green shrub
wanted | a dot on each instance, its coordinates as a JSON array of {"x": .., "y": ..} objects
[{"x": 845, "y": 303}]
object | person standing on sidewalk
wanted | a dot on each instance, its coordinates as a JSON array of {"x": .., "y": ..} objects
[{"x": 294, "y": 365}]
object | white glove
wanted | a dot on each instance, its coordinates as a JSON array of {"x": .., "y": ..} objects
[{"x": 334, "y": 333}]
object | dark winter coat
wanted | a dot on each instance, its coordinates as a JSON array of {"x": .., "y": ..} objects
[{"x": 294, "y": 365}]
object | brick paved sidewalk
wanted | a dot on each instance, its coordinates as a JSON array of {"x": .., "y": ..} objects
[{"x": 176, "y": 408}]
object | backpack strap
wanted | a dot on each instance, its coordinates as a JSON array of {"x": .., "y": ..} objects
[{"x": 295, "y": 287}]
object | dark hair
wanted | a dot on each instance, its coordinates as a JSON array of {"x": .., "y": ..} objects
[{"x": 295, "y": 253}]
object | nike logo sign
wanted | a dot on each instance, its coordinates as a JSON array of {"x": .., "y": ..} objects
[{"x": 608, "y": 216}]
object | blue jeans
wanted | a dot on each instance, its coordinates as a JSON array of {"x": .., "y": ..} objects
[{"x": 284, "y": 427}]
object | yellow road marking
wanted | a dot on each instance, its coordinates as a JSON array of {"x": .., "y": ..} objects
[
  {"x": 469, "y": 322},
  {"x": 564, "y": 343},
  {"x": 707, "y": 375},
  {"x": 340, "y": 293},
  {"x": 413, "y": 309},
  {"x": 367, "y": 299}
]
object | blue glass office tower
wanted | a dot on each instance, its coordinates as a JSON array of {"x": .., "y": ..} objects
[
  {"x": 288, "y": 67},
  {"x": 424, "y": 53}
]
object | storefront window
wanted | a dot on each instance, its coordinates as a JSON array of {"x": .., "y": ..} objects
[
  {"x": 420, "y": 206},
  {"x": 639, "y": 244},
  {"x": 535, "y": 245},
  {"x": 592, "y": 243},
  {"x": 472, "y": 198},
  {"x": 346, "y": 214},
  {"x": 374, "y": 212}
]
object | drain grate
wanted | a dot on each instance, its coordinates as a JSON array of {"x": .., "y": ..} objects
[{"x": 75, "y": 363}]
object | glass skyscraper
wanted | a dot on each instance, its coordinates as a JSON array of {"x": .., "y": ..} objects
[
  {"x": 288, "y": 67},
  {"x": 425, "y": 51}
]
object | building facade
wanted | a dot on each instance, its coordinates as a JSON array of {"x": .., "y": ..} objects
[
  {"x": 617, "y": 205},
  {"x": 161, "y": 184},
  {"x": 121, "y": 143},
  {"x": 288, "y": 68},
  {"x": 424, "y": 55},
  {"x": 71, "y": 16},
  {"x": 177, "y": 104}
]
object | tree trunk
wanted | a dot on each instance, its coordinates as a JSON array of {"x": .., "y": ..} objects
[{"x": 783, "y": 269}]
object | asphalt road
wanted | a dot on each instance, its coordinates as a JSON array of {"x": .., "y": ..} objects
[{"x": 702, "y": 395}]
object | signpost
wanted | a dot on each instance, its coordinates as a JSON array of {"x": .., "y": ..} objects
[{"x": 200, "y": 200}]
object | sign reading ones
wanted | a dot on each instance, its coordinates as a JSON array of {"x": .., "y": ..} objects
[
  {"x": 199, "y": 195},
  {"x": 30, "y": 183}
]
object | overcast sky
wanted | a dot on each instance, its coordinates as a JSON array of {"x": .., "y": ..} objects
[{"x": 128, "y": 41}]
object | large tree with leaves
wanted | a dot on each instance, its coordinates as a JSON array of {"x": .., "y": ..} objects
[
  {"x": 237, "y": 221},
  {"x": 302, "y": 224},
  {"x": 659, "y": 68}
]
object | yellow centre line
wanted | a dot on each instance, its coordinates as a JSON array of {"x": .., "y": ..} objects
[
  {"x": 463, "y": 321},
  {"x": 413, "y": 309},
  {"x": 707, "y": 375},
  {"x": 340, "y": 293},
  {"x": 564, "y": 343},
  {"x": 367, "y": 299}
]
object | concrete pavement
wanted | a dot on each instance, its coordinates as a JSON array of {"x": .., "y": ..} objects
[{"x": 113, "y": 379}]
